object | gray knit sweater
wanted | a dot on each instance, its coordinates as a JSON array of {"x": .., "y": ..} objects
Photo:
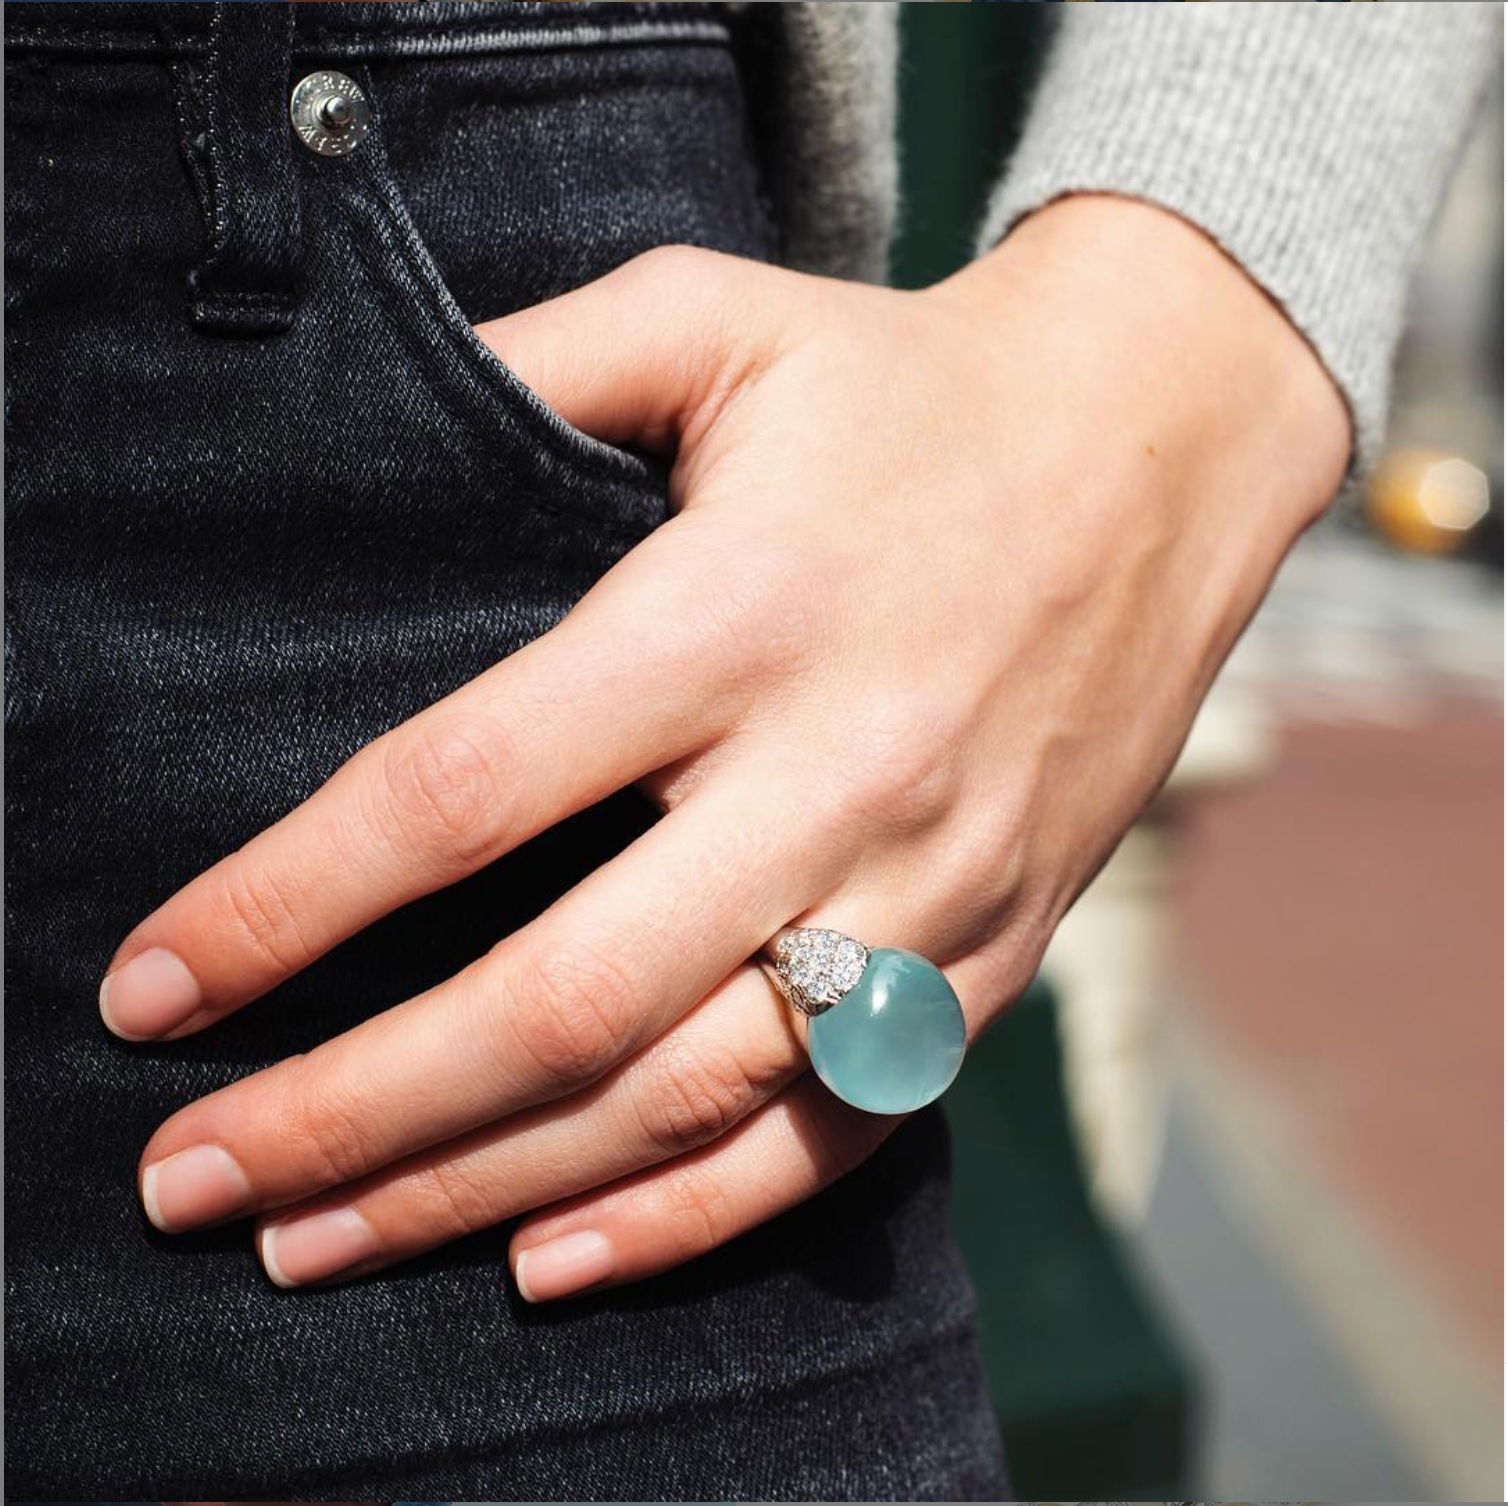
[{"x": 1312, "y": 141}]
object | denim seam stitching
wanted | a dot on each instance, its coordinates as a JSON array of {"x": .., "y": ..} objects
[
  {"x": 419, "y": 266},
  {"x": 462, "y": 347},
  {"x": 522, "y": 403},
  {"x": 218, "y": 218},
  {"x": 540, "y": 504},
  {"x": 527, "y": 409},
  {"x": 469, "y": 39},
  {"x": 149, "y": 43},
  {"x": 185, "y": 88}
]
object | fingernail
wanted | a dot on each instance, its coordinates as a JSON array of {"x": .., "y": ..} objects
[
  {"x": 317, "y": 1246},
  {"x": 192, "y": 1187},
  {"x": 562, "y": 1266},
  {"x": 151, "y": 994}
]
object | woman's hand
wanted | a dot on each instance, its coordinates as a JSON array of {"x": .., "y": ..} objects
[{"x": 949, "y": 574}]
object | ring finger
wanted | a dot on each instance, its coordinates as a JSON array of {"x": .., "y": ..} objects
[{"x": 715, "y": 1066}]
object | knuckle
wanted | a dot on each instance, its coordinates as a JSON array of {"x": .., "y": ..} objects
[
  {"x": 777, "y": 603},
  {"x": 673, "y": 263},
  {"x": 445, "y": 788},
  {"x": 333, "y": 1131},
  {"x": 697, "y": 1100},
  {"x": 984, "y": 850},
  {"x": 993, "y": 855},
  {"x": 699, "y": 1209},
  {"x": 459, "y": 1204},
  {"x": 265, "y": 917},
  {"x": 980, "y": 895},
  {"x": 580, "y": 1012},
  {"x": 756, "y": 626},
  {"x": 910, "y": 776}
]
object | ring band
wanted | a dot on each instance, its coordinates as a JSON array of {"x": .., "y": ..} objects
[{"x": 898, "y": 1040}]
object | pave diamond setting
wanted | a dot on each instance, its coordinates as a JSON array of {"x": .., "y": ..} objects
[{"x": 817, "y": 967}]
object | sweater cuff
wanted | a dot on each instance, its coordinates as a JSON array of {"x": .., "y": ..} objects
[{"x": 1312, "y": 142}]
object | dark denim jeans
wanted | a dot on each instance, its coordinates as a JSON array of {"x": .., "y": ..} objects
[{"x": 268, "y": 497}]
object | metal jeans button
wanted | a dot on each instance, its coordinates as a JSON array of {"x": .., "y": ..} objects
[{"x": 330, "y": 114}]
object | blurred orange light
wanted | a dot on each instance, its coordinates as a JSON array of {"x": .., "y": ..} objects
[{"x": 1427, "y": 500}]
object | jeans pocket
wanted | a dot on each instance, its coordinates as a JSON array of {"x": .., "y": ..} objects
[{"x": 558, "y": 468}]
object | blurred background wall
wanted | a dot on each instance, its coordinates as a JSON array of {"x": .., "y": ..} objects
[{"x": 1246, "y": 1238}]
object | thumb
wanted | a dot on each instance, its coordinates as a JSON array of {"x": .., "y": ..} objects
[{"x": 646, "y": 354}]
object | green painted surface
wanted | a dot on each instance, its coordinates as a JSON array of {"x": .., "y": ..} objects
[
  {"x": 965, "y": 72},
  {"x": 1095, "y": 1396}
]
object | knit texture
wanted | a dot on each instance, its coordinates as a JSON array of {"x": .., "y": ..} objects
[{"x": 1312, "y": 142}]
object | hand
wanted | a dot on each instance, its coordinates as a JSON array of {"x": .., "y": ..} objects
[{"x": 948, "y": 576}]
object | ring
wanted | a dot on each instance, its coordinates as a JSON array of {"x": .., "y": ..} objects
[{"x": 885, "y": 1031}]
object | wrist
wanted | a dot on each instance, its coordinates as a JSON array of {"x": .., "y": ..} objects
[{"x": 1153, "y": 303}]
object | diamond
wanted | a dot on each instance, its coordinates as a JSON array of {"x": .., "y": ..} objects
[{"x": 818, "y": 967}]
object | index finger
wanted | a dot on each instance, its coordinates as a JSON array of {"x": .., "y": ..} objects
[{"x": 625, "y": 684}]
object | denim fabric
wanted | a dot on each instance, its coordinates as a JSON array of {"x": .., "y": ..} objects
[{"x": 234, "y": 558}]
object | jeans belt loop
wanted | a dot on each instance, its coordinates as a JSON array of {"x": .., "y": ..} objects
[{"x": 240, "y": 150}]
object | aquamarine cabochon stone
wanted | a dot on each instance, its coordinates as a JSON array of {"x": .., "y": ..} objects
[{"x": 895, "y": 1040}]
